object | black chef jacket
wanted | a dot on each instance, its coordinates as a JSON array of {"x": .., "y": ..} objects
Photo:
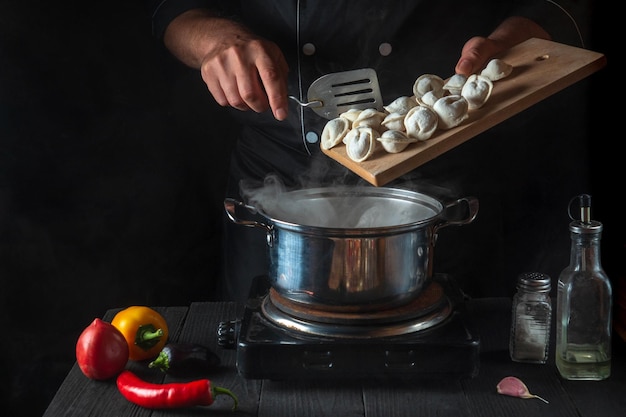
[{"x": 400, "y": 40}]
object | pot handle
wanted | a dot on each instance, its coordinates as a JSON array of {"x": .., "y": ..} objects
[
  {"x": 451, "y": 216},
  {"x": 231, "y": 205}
]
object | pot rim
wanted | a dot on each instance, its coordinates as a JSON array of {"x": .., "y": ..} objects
[{"x": 432, "y": 204}]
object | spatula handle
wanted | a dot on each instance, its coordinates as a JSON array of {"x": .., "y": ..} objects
[{"x": 312, "y": 104}]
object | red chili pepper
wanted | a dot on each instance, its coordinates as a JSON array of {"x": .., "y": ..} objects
[{"x": 172, "y": 395}]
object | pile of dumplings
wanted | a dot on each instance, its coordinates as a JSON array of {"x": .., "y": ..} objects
[{"x": 435, "y": 104}]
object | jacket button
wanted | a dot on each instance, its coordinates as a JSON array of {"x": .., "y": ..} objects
[
  {"x": 385, "y": 48},
  {"x": 308, "y": 49},
  {"x": 311, "y": 137}
]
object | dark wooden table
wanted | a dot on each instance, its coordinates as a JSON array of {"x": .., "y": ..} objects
[{"x": 79, "y": 396}]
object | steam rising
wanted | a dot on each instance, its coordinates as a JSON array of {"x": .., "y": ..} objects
[{"x": 337, "y": 207}]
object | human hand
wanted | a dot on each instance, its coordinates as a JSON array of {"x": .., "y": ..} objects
[
  {"x": 479, "y": 50},
  {"x": 248, "y": 73},
  {"x": 475, "y": 54},
  {"x": 240, "y": 69}
]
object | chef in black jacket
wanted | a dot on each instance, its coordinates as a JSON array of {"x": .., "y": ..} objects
[{"x": 254, "y": 54}]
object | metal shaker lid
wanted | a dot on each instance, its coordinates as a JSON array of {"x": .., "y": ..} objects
[{"x": 534, "y": 281}]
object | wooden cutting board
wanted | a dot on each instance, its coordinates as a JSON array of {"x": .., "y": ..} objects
[{"x": 541, "y": 68}]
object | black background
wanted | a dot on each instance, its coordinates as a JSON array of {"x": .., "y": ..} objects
[
  {"x": 112, "y": 164},
  {"x": 112, "y": 168}
]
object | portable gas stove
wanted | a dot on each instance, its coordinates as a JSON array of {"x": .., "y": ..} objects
[{"x": 278, "y": 339}]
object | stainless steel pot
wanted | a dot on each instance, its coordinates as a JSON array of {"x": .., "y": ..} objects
[{"x": 357, "y": 248}]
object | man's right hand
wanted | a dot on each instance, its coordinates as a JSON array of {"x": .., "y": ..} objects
[{"x": 240, "y": 69}]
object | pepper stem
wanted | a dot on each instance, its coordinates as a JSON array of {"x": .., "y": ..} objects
[
  {"x": 148, "y": 336},
  {"x": 224, "y": 391},
  {"x": 161, "y": 362}
]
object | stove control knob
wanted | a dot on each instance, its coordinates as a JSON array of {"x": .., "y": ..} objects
[{"x": 227, "y": 334}]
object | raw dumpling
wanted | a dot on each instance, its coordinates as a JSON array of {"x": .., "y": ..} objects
[
  {"x": 361, "y": 143},
  {"x": 401, "y": 105},
  {"x": 393, "y": 121},
  {"x": 351, "y": 114},
  {"x": 429, "y": 99},
  {"x": 426, "y": 83},
  {"x": 497, "y": 69},
  {"x": 455, "y": 84},
  {"x": 369, "y": 118},
  {"x": 394, "y": 141},
  {"x": 421, "y": 122},
  {"x": 334, "y": 132},
  {"x": 452, "y": 110},
  {"x": 477, "y": 90}
]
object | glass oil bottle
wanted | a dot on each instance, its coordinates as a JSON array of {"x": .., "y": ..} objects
[{"x": 584, "y": 303}]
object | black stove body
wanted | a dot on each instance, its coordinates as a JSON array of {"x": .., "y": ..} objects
[{"x": 266, "y": 349}]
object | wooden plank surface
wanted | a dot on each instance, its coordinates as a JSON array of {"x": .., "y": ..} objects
[
  {"x": 428, "y": 397},
  {"x": 201, "y": 327},
  {"x": 79, "y": 396},
  {"x": 311, "y": 399},
  {"x": 85, "y": 397},
  {"x": 541, "y": 69}
]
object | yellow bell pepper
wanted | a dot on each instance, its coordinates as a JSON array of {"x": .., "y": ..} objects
[{"x": 144, "y": 329}]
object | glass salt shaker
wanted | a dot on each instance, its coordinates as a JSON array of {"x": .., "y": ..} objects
[{"x": 530, "y": 321}]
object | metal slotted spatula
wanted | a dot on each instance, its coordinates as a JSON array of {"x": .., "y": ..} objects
[{"x": 335, "y": 93}]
